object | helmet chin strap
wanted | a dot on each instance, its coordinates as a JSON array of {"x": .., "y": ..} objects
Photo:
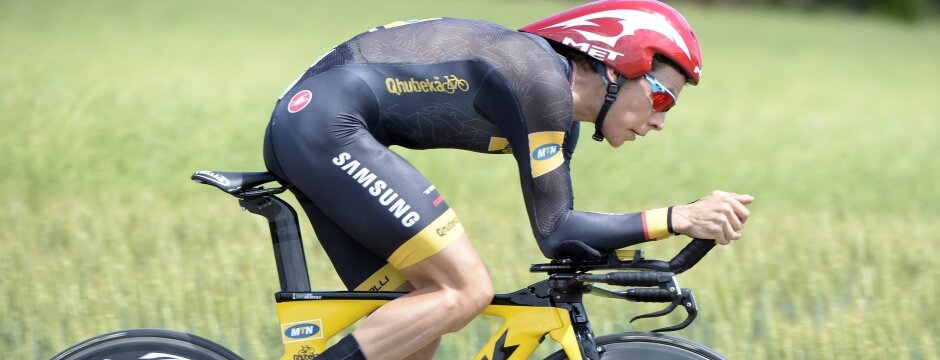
[{"x": 612, "y": 89}]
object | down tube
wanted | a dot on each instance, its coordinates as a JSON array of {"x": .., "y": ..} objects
[{"x": 523, "y": 328}]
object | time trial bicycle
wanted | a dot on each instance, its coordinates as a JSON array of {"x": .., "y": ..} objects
[{"x": 551, "y": 307}]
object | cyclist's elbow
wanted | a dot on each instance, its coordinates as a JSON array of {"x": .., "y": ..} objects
[
  {"x": 559, "y": 246},
  {"x": 549, "y": 245}
]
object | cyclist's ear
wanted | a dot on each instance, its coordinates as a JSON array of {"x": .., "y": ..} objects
[{"x": 612, "y": 75}]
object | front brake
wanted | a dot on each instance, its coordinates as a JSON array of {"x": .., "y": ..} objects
[
  {"x": 687, "y": 300},
  {"x": 667, "y": 291}
]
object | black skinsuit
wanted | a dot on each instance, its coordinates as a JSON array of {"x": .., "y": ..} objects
[{"x": 437, "y": 83}]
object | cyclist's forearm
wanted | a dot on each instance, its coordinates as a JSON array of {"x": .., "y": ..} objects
[{"x": 608, "y": 231}]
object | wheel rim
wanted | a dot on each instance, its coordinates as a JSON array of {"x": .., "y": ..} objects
[
  {"x": 146, "y": 349},
  {"x": 647, "y": 351}
]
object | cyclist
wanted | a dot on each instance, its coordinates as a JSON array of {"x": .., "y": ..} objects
[{"x": 472, "y": 85}]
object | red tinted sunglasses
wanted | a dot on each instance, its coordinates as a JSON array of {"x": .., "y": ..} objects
[{"x": 663, "y": 99}]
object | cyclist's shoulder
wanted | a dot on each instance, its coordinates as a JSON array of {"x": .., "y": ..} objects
[
  {"x": 444, "y": 26},
  {"x": 519, "y": 59},
  {"x": 447, "y": 35},
  {"x": 496, "y": 35}
]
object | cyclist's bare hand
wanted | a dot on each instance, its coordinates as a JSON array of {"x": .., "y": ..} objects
[{"x": 719, "y": 216}]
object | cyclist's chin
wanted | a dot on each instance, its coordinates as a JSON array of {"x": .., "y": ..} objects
[{"x": 615, "y": 142}]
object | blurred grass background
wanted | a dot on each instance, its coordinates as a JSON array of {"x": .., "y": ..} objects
[{"x": 107, "y": 107}]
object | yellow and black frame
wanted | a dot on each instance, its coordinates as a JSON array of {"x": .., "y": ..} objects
[
  {"x": 308, "y": 319},
  {"x": 553, "y": 307},
  {"x": 321, "y": 315}
]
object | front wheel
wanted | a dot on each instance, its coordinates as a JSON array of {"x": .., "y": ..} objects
[
  {"x": 647, "y": 346},
  {"x": 146, "y": 344}
]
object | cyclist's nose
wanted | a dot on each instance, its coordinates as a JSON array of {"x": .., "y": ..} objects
[{"x": 657, "y": 121}]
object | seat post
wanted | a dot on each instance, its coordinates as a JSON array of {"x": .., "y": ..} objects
[{"x": 285, "y": 236}]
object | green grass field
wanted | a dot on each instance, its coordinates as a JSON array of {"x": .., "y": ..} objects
[{"x": 107, "y": 107}]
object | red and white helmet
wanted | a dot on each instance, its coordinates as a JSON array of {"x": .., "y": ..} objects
[{"x": 625, "y": 35}]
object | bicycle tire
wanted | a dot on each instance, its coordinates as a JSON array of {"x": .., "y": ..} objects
[
  {"x": 147, "y": 344},
  {"x": 647, "y": 346}
]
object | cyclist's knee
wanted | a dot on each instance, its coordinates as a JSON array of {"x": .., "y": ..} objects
[
  {"x": 459, "y": 280},
  {"x": 479, "y": 295},
  {"x": 478, "y": 290},
  {"x": 463, "y": 305},
  {"x": 482, "y": 293}
]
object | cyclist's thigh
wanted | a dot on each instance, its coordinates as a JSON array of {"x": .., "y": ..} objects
[
  {"x": 357, "y": 266},
  {"x": 439, "y": 269}
]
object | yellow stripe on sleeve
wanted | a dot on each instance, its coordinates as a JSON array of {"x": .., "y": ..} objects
[
  {"x": 657, "y": 225},
  {"x": 431, "y": 240}
]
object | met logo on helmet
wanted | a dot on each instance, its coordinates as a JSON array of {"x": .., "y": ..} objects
[
  {"x": 596, "y": 52},
  {"x": 630, "y": 21}
]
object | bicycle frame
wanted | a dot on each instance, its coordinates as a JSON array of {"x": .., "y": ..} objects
[
  {"x": 307, "y": 325},
  {"x": 308, "y": 320}
]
